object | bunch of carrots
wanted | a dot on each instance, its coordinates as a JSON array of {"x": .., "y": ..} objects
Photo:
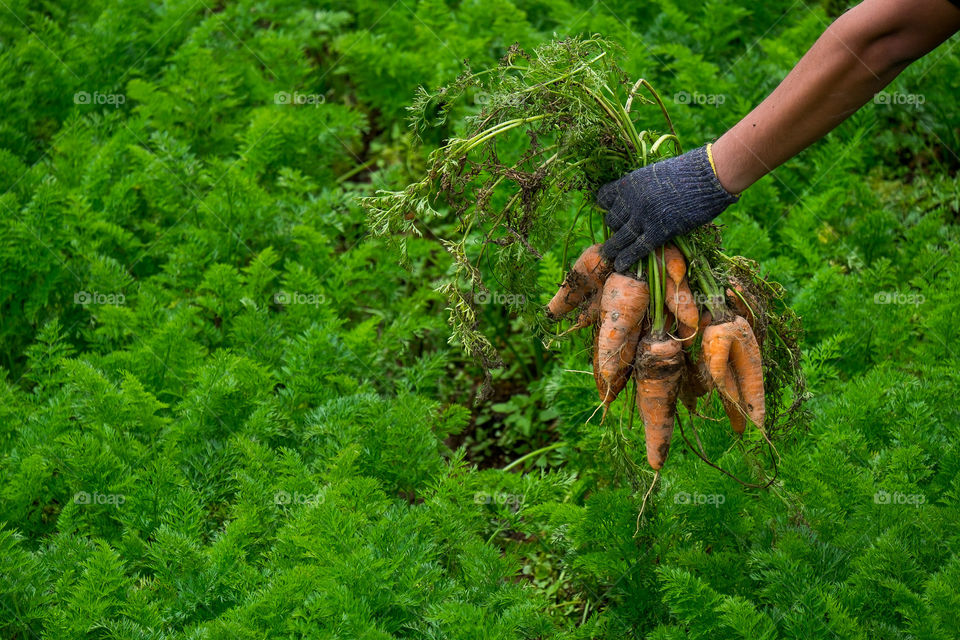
[
  {"x": 500, "y": 191},
  {"x": 646, "y": 327}
]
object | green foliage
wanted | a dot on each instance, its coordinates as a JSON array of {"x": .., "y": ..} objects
[
  {"x": 554, "y": 125},
  {"x": 226, "y": 413}
]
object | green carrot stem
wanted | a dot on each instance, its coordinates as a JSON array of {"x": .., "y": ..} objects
[
  {"x": 357, "y": 169},
  {"x": 656, "y": 293},
  {"x": 467, "y": 144},
  {"x": 503, "y": 127},
  {"x": 493, "y": 69},
  {"x": 663, "y": 109},
  {"x": 525, "y": 457},
  {"x": 704, "y": 278},
  {"x": 593, "y": 234},
  {"x": 566, "y": 244},
  {"x": 662, "y": 139},
  {"x": 509, "y": 205},
  {"x": 565, "y": 75},
  {"x": 620, "y": 116},
  {"x": 623, "y": 123}
]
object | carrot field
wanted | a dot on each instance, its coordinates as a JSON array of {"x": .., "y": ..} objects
[{"x": 280, "y": 355}]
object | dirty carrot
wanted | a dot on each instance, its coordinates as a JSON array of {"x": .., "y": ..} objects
[
  {"x": 733, "y": 343},
  {"x": 680, "y": 301},
  {"x": 676, "y": 266},
  {"x": 743, "y": 302},
  {"x": 748, "y": 366},
  {"x": 658, "y": 369},
  {"x": 623, "y": 305},
  {"x": 688, "y": 335},
  {"x": 731, "y": 404},
  {"x": 584, "y": 280},
  {"x": 693, "y": 384}
]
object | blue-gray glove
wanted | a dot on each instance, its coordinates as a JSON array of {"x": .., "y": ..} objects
[{"x": 649, "y": 206}]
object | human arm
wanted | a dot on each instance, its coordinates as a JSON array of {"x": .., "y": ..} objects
[{"x": 857, "y": 56}]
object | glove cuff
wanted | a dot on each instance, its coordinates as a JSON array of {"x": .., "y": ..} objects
[
  {"x": 696, "y": 167},
  {"x": 713, "y": 165},
  {"x": 693, "y": 193}
]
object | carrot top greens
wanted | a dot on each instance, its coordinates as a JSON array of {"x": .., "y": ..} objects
[
  {"x": 553, "y": 126},
  {"x": 569, "y": 104}
]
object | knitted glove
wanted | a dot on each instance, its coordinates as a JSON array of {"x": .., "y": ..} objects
[{"x": 649, "y": 206}]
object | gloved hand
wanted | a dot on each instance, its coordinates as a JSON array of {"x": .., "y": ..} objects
[{"x": 649, "y": 206}]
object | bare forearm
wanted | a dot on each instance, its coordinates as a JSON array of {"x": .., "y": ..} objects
[{"x": 857, "y": 56}]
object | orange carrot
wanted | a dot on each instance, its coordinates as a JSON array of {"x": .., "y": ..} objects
[
  {"x": 686, "y": 335},
  {"x": 658, "y": 369},
  {"x": 676, "y": 265},
  {"x": 689, "y": 334},
  {"x": 748, "y": 366},
  {"x": 733, "y": 343},
  {"x": 706, "y": 319},
  {"x": 590, "y": 312},
  {"x": 585, "y": 279},
  {"x": 731, "y": 405},
  {"x": 680, "y": 301},
  {"x": 745, "y": 309},
  {"x": 668, "y": 319},
  {"x": 623, "y": 306},
  {"x": 694, "y": 383},
  {"x": 679, "y": 297},
  {"x": 717, "y": 339},
  {"x": 673, "y": 326}
]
